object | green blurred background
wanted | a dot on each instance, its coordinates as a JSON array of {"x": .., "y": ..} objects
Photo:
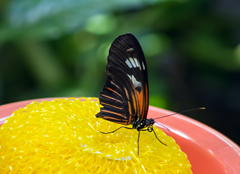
[{"x": 58, "y": 48}]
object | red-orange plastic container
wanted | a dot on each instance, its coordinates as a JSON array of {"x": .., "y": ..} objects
[{"x": 208, "y": 151}]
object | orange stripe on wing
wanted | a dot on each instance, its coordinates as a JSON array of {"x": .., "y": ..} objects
[
  {"x": 146, "y": 97},
  {"x": 111, "y": 98},
  {"x": 131, "y": 104},
  {"x": 102, "y": 103},
  {"x": 125, "y": 89},
  {"x": 113, "y": 91},
  {"x": 118, "y": 122},
  {"x": 141, "y": 102},
  {"x": 115, "y": 85},
  {"x": 129, "y": 108},
  {"x": 111, "y": 112},
  {"x": 135, "y": 103},
  {"x": 112, "y": 118},
  {"x": 130, "y": 112}
]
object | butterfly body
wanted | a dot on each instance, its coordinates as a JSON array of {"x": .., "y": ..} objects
[
  {"x": 125, "y": 96},
  {"x": 145, "y": 123}
]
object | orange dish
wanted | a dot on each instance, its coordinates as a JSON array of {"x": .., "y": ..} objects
[{"x": 208, "y": 151}]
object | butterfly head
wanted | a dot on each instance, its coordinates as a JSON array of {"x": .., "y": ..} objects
[{"x": 149, "y": 122}]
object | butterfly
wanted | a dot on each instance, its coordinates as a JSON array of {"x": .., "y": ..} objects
[{"x": 125, "y": 96}]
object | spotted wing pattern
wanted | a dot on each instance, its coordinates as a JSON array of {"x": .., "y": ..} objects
[{"x": 125, "y": 94}]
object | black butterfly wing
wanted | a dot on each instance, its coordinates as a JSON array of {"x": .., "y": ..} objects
[{"x": 125, "y": 94}]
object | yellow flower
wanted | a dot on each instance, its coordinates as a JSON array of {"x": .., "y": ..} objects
[{"x": 62, "y": 136}]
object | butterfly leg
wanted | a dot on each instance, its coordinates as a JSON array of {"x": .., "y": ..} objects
[
  {"x": 138, "y": 140},
  {"x": 115, "y": 130},
  {"x": 150, "y": 129},
  {"x": 157, "y": 138},
  {"x": 139, "y": 137}
]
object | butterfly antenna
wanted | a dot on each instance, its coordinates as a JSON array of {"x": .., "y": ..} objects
[{"x": 180, "y": 112}]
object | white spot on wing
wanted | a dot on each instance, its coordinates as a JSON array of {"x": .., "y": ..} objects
[
  {"x": 137, "y": 63},
  {"x": 130, "y": 49},
  {"x": 134, "y": 81},
  {"x": 132, "y": 61},
  {"x": 143, "y": 66},
  {"x": 128, "y": 63}
]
